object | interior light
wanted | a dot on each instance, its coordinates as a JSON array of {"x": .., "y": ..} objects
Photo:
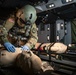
[
  {"x": 66, "y": 1},
  {"x": 50, "y": 5},
  {"x": 62, "y": 25},
  {"x": 70, "y": 0}
]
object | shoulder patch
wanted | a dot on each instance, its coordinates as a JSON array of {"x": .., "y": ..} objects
[
  {"x": 34, "y": 30},
  {"x": 11, "y": 20}
]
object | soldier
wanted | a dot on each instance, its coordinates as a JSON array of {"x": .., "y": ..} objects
[{"x": 19, "y": 30}]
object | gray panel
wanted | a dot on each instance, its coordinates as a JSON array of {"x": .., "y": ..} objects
[
  {"x": 57, "y": 3},
  {"x": 59, "y": 30},
  {"x": 68, "y": 33},
  {"x": 44, "y": 33}
]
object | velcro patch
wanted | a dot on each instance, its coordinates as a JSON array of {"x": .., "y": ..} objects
[
  {"x": 11, "y": 20},
  {"x": 34, "y": 30}
]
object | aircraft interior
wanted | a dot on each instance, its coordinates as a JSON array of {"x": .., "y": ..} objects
[{"x": 56, "y": 22}]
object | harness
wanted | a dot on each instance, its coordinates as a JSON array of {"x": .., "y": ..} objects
[{"x": 20, "y": 34}]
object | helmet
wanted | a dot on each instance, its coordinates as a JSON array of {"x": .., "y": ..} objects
[{"x": 29, "y": 14}]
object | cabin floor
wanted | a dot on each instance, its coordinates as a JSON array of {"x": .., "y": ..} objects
[{"x": 18, "y": 71}]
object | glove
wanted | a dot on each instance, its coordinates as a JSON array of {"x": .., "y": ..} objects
[
  {"x": 25, "y": 48},
  {"x": 9, "y": 47}
]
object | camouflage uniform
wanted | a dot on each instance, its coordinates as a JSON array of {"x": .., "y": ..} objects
[{"x": 19, "y": 36}]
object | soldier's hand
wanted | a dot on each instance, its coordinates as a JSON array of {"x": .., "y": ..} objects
[
  {"x": 9, "y": 47},
  {"x": 25, "y": 48}
]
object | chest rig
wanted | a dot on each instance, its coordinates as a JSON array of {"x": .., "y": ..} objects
[{"x": 18, "y": 33}]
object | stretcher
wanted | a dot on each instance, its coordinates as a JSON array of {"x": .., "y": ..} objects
[{"x": 54, "y": 47}]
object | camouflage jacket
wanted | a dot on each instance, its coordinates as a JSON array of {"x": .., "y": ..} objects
[{"x": 10, "y": 23}]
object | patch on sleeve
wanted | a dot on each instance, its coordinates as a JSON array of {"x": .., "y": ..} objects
[
  {"x": 34, "y": 30},
  {"x": 11, "y": 20}
]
